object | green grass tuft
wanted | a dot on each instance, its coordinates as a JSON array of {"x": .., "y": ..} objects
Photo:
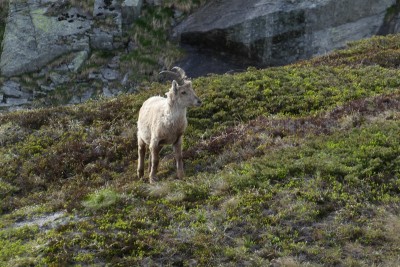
[{"x": 101, "y": 199}]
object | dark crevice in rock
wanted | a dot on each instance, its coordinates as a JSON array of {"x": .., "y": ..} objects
[{"x": 392, "y": 20}]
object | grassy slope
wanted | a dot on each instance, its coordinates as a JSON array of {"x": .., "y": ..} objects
[{"x": 296, "y": 165}]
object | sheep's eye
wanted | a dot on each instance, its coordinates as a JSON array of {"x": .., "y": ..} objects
[{"x": 183, "y": 93}]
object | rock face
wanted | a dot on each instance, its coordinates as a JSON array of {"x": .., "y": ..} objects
[
  {"x": 51, "y": 41},
  {"x": 130, "y": 9},
  {"x": 277, "y": 32},
  {"x": 39, "y": 31},
  {"x": 33, "y": 39}
]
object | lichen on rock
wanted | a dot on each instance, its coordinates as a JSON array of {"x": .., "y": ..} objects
[{"x": 32, "y": 39}]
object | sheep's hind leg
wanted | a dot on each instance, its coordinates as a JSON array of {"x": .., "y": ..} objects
[
  {"x": 178, "y": 158},
  {"x": 154, "y": 155},
  {"x": 141, "y": 155},
  {"x": 149, "y": 168}
]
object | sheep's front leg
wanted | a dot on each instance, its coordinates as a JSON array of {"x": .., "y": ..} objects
[
  {"x": 141, "y": 155},
  {"x": 154, "y": 155},
  {"x": 179, "y": 158}
]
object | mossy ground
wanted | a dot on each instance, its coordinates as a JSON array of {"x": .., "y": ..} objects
[{"x": 289, "y": 166}]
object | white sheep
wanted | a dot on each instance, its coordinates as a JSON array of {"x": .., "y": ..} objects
[{"x": 163, "y": 121}]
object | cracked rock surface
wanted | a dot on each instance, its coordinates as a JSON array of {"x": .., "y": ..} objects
[
  {"x": 39, "y": 31},
  {"x": 33, "y": 38},
  {"x": 272, "y": 32}
]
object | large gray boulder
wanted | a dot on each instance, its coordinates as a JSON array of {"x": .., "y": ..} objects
[
  {"x": 33, "y": 39},
  {"x": 39, "y": 31},
  {"x": 276, "y": 32}
]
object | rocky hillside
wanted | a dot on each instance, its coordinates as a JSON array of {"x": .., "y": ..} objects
[
  {"x": 286, "y": 166},
  {"x": 63, "y": 52}
]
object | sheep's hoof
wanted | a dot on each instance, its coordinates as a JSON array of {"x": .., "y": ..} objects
[{"x": 180, "y": 174}]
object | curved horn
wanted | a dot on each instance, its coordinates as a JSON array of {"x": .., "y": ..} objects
[
  {"x": 174, "y": 74},
  {"x": 181, "y": 72},
  {"x": 177, "y": 73}
]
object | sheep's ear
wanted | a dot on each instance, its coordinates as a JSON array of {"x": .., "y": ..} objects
[{"x": 174, "y": 87}]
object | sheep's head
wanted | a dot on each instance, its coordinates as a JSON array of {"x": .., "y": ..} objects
[{"x": 181, "y": 91}]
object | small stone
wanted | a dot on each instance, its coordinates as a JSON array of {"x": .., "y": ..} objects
[
  {"x": 79, "y": 60},
  {"x": 16, "y": 101},
  {"x": 110, "y": 74},
  {"x": 39, "y": 94},
  {"x": 47, "y": 88},
  {"x": 11, "y": 89},
  {"x": 114, "y": 63},
  {"x": 57, "y": 78},
  {"x": 125, "y": 80},
  {"x": 86, "y": 95},
  {"x": 95, "y": 76},
  {"x": 107, "y": 92}
]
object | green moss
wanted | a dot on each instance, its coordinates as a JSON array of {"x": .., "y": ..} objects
[
  {"x": 101, "y": 199},
  {"x": 378, "y": 50},
  {"x": 17, "y": 246},
  {"x": 41, "y": 21},
  {"x": 288, "y": 91}
]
